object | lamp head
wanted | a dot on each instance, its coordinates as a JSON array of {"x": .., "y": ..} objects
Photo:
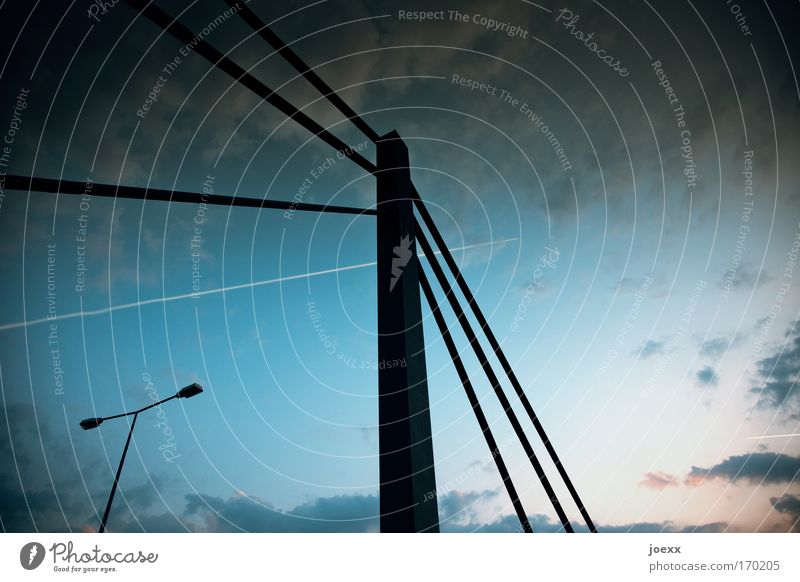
[
  {"x": 190, "y": 390},
  {"x": 89, "y": 423}
]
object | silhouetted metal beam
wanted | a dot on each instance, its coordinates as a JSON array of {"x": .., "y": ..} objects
[
  {"x": 474, "y": 402},
  {"x": 490, "y": 375},
  {"x": 408, "y": 496},
  {"x": 301, "y": 67},
  {"x": 33, "y": 184},
  {"x": 476, "y": 310},
  {"x": 186, "y": 36}
]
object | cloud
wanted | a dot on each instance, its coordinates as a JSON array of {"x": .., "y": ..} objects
[
  {"x": 360, "y": 513},
  {"x": 650, "y": 348},
  {"x": 790, "y": 505},
  {"x": 707, "y": 377},
  {"x": 755, "y": 468},
  {"x": 50, "y": 482},
  {"x": 40, "y": 488},
  {"x": 719, "y": 345},
  {"x": 337, "y": 514},
  {"x": 240, "y": 512},
  {"x": 463, "y": 507},
  {"x": 746, "y": 278},
  {"x": 666, "y": 527},
  {"x": 652, "y": 285},
  {"x": 508, "y": 524},
  {"x": 714, "y": 347},
  {"x": 659, "y": 480},
  {"x": 543, "y": 524},
  {"x": 777, "y": 379}
]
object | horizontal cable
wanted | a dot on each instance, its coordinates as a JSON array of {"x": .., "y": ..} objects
[
  {"x": 490, "y": 375},
  {"x": 186, "y": 36},
  {"x": 33, "y": 184},
  {"x": 476, "y": 310},
  {"x": 474, "y": 402},
  {"x": 301, "y": 67}
]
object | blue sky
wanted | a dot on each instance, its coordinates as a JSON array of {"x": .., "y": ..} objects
[{"x": 649, "y": 374}]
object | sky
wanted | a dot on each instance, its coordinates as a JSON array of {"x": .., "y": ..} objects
[{"x": 618, "y": 183}]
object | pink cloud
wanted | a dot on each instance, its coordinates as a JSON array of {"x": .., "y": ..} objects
[{"x": 659, "y": 480}]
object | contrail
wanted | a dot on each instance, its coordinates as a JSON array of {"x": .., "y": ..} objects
[
  {"x": 774, "y": 436},
  {"x": 106, "y": 310}
]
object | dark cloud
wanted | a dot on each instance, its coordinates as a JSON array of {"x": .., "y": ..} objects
[
  {"x": 717, "y": 346},
  {"x": 707, "y": 377},
  {"x": 40, "y": 489},
  {"x": 777, "y": 379},
  {"x": 755, "y": 468},
  {"x": 340, "y": 513},
  {"x": 543, "y": 524},
  {"x": 666, "y": 527},
  {"x": 52, "y": 483},
  {"x": 459, "y": 506},
  {"x": 650, "y": 348},
  {"x": 509, "y": 524},
  {"x": 714, "y": 347},
  {"x": 659, "y": 480},
  {"x": 748, "y": 278},
  {"x": 247, "y": 513},
  {"x": 789, "y": 505},
  {"x": 360, "y": 513}
]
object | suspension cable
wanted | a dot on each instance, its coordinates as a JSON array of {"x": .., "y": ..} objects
[
  {"x": 301, "y": 67},
  {"x": 474, "y": 402},
  {"x": 487, "y": 368},
  {"x": 476, "y": 310},
  {"x": 216, "y": 58}
]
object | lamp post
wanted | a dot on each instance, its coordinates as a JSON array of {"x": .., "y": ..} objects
[{"x": 90, "y": 423}]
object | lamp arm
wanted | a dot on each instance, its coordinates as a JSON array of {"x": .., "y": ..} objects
[{"x": 148, "y": 407}]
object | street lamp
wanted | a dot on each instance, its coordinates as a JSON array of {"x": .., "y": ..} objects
[{"x": 90, "y": 423}]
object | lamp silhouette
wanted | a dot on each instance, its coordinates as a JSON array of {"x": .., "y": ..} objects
[{"x": 90, "y": 423}]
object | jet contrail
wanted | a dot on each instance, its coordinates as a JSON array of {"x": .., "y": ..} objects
[
  {"x": 106, "y": 310},
  {"x": 773, "y": 436}
]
